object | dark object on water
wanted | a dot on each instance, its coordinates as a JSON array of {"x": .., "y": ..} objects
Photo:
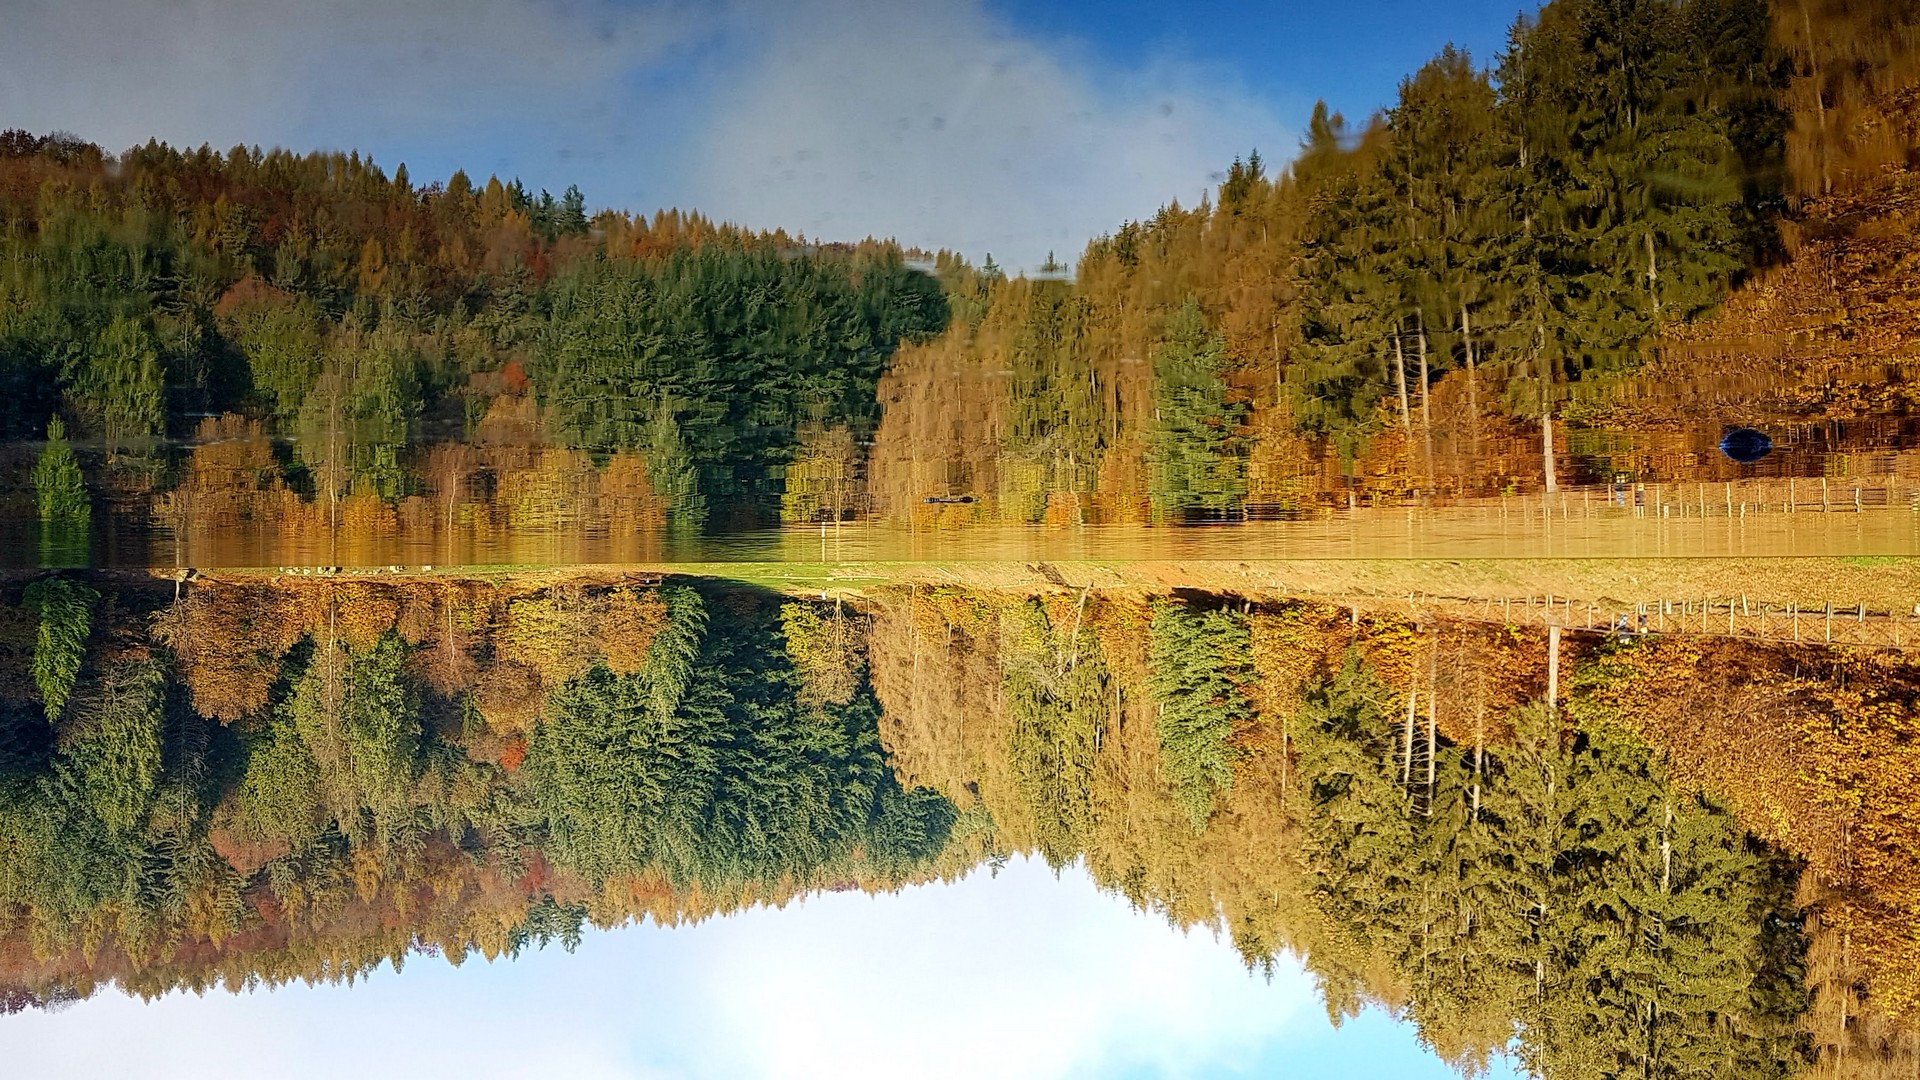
[
  {"x": 1745, "y": 445},
  {"x": 949, "y": 498}
]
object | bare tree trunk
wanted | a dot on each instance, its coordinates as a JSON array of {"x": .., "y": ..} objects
[
  {"x": 1279, "y": 372},
  {"x": 1400, "y": 374},
  {"x": 1553, "y": 668},
  {"x": 1473, "y": 380},
  {"x": 1479, "y": 750},
  {"x": 1819, "y": 98},
  {"x": 1406, "y": 739},
  {"x": 1653, "y": 276},
  {"x": 1432, "y": 745},
  {"x": 1666, "y": 853},
  {"x": 1426, "y": 394},
  {"x": 1546, "y": 448}
]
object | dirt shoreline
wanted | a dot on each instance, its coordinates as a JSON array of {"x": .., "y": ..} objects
[{"x": 1888, "y": 585}]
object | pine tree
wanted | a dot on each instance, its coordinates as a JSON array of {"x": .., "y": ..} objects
[
  {"x": 58, "y": 484},
  {"x": 65, "y": 611},
  {"x": 1194, "y": 446},
  {"x": 1198, "y": 668}
]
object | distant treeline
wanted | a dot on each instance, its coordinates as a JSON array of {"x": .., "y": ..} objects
[{"x": 361, "y": 317}]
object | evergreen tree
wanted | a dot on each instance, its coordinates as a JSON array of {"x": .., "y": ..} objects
[
  {"x": 1054, "y": 685},
  {"x": 58, "y": 484},
  {"x": 1194, "y": 445},
  {"x": 123, "y": 385},
  {"x": 65, "y": 611},
  {"x": 571, "y": 219},
  {"x": 1198, "y": 667}
]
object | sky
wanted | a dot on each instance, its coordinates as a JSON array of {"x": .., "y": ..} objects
[
  {"x": 1011, "y": 127},
  {"x": 1019, "y": 976}
]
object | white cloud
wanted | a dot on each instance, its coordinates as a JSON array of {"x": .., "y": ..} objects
[
  {"x": 512, "y": 81},
  {"x": 932, "y": 123},
  {"x": 1016, "y": 977}
]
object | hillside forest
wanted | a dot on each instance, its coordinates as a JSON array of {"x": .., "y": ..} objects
[{"x": 1576, "y": 260}]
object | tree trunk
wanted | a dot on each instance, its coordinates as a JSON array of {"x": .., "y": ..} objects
[
  {"x": 1432, "y": 745},
  {"x": 1479, "y": 750},
  {"x": 1473, "y": 383},
  {"x": 1406, "y": 739},
  {"x": 1819, "y": 97},
  {"x": 1426, "y": 394},
  {"x": 1553, "y": 669},
  {"x": 1653, "y": 276},
  {"x": 1546, "y": 448},
  {"x": 1400, "y": 375}
]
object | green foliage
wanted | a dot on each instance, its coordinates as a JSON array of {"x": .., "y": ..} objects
[
  {"x": 122, "y": 384},
  {"x": 711, "y": 360},
  {"x": 1193, "y": 447},
  {"x": 357, "y": 415},
  {"x": 277, "y": 805},
  {"x": 65, "y": 609},
  {"x": 1054, "y": 689},
  {"x": 114, "y": 747},
  {"x": 1557, "y": 898},
  {"x": 703, "y": 767},
  {"x": 58, "y": 484},
  {"x": 670, "y": 470},
  {"x": 1615, "y": 174},
  {"x": 1199, "y": 665},
  {"x": 357, "y": 714},
  {"x": 1054, "y": 414},
  {"x": 548, "y": 921},
  {"x": 284, "y": 351},
  {"x": 825, "y": 651}
]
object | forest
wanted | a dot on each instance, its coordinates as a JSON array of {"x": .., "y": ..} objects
[
  {"x": 1669, "y": 856},
  {"x": 381, "y": 337},
  {"x": 1554, "y": 265},
  {"x": 1644, "y": 856},
  {"x": 254, "y": 782}
]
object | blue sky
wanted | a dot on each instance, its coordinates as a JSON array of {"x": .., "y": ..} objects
[
  {"x": 1012, "y": 977},
  {"x": 1012, "y": 126}
]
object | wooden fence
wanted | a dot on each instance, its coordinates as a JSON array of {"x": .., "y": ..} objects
[{"x": 1733, "y": 617}]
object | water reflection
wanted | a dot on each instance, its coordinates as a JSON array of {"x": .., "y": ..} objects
[
  {"x": 1607, "y": 854},
  {"x": 1745, "y": 445}
]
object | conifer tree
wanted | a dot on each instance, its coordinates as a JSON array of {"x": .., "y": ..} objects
[
  {"x": 59, "y": 486},
  {"x": 1199, "y": 666},
  {"x": 65, "y": 611},
  {"x": 1194, "y": 446}
]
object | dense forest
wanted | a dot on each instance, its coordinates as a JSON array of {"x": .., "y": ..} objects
[
  {"x": 383, "y": 336},
  {"x": 257, "y": 782},
  {"x": 1600, "y": 231},
  {"x": 1645, "y": 856},
  {"x": 1641, "y": 222}
]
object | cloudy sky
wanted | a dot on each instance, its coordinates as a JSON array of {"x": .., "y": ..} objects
[{"x": 1015, "y": 127}]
